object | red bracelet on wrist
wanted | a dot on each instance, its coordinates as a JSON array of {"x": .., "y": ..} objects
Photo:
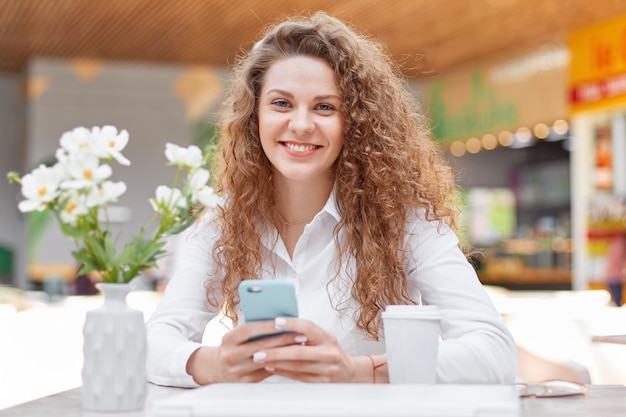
[{"x": 375, "y": 367}]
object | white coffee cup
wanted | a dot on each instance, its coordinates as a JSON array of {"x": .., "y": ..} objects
[{"x": 412, "y": 342}]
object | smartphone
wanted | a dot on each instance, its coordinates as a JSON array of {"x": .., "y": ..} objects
[{"x": 266, "y": 299}]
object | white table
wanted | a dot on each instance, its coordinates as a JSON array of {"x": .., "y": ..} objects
[{"x": 599, "y": 401}]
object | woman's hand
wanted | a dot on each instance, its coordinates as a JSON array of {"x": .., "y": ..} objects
[
  {"x": 232, "y": 361},
  {"x": 316, "y": 356}
]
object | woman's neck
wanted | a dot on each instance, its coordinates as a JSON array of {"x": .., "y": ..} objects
[
  {"x": 297, "y": 201},
  {"x": 297, "y": 204}
]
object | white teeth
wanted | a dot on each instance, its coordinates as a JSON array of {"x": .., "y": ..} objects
[{"x": 299, "y": 148}]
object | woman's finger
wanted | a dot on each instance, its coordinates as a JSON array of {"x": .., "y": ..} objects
[
  {"x": 242, "y": 334},
  {"x": 314, "y": 333}
]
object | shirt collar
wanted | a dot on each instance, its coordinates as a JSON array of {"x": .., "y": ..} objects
[
  {"x": 270, "y": 238},
  {"x": 331, "y": 206}
]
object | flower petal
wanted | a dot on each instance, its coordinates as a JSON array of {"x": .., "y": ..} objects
[{"x": 26, "y": 206}]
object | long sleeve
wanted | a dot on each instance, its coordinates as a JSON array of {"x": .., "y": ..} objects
[
  {"x": 476, "y": 346},
  {"x": 176, "y": 328}
]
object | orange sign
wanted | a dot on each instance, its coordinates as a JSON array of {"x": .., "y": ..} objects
[{"x": 598, "y": 64}]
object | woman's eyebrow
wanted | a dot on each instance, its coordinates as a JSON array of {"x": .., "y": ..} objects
[
  {"x": 290, "y": 95},
  {"x": 279, "y": 91},
  {"x": 327, "y": 96}
]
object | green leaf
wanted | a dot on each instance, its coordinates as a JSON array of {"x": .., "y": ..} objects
[
  {"x": 141, "y": 252},
  {"x": 83, "y": 257},
  {"x": 86, "y": 269},
  {"x": 176, "y": 228},
  {"x": 96, "y": 249},
  {"x": 72, "y": 232},
  {"x": 67, "y": 229},
  {"x": 109, "y": 249},
  {"x": 130, "y": 250}
]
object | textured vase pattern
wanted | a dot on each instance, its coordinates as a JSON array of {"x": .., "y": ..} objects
[{"x": 115, "y": 351}]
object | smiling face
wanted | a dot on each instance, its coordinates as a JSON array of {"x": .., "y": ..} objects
[{"x": 300, "y": 123}]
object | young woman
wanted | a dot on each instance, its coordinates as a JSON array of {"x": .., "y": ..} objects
[{"x": 329, "y": 179}]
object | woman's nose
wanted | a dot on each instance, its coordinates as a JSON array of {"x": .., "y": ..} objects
[{"x": 301, "y": 123}]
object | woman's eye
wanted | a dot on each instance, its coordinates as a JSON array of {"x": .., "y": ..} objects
[
  {"x": 325, "y": 107},
  {"x": 281, "y": 103}
]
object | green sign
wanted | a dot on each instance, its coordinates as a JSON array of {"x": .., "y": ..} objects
[{"x": 482, "y": 114}]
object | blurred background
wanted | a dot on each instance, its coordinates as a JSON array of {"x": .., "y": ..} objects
[{"x": 526, "y": 97}]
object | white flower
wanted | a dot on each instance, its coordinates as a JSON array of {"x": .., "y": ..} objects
[
  {"x": 167, "y": 199},
  {"x": 61, "y": 156},
  {"x": 61, "y": 166},
  {"x": 108, "y": 192},
  {"x": 189, "y": 157},
  {"x": 39, "y": 187},
  {"x": 74, "y": 206},
  {"x": 109, "y": 143},
  {"x": 197, "y": 181},
  {"x": 200, "y": 191},
  {"x": 85, "y": 172},
  {"x": 207, "y": 197},
  {"x": 78, "y": 189},
  {"x": 79, "y": 140}
]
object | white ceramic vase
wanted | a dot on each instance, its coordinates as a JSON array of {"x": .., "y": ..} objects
[{"x": 115, "y": 351}]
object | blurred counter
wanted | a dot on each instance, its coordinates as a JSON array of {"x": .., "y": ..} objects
[{"x": 525, "y": 277}]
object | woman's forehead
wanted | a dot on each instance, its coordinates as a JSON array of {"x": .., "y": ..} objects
[{"x": 296, "y": 73}]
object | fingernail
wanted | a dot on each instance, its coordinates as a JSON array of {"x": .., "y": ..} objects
[
  {"x": 259, "y": 357},
  {"x": 300, "y": 339},
  {"x": 279, "y": 322},
  {"x": 270, "y": 369}
]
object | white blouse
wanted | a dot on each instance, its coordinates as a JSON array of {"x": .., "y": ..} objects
[{"x": 476, "y": 347}]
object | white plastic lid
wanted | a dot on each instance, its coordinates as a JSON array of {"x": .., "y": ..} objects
[{"x": 412, "y": 311}]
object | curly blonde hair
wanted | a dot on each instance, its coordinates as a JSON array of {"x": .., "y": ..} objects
[{"x": 388, "y": 167}]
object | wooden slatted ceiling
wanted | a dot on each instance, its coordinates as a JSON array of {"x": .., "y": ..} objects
[{"x": 424, "y": 34}]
